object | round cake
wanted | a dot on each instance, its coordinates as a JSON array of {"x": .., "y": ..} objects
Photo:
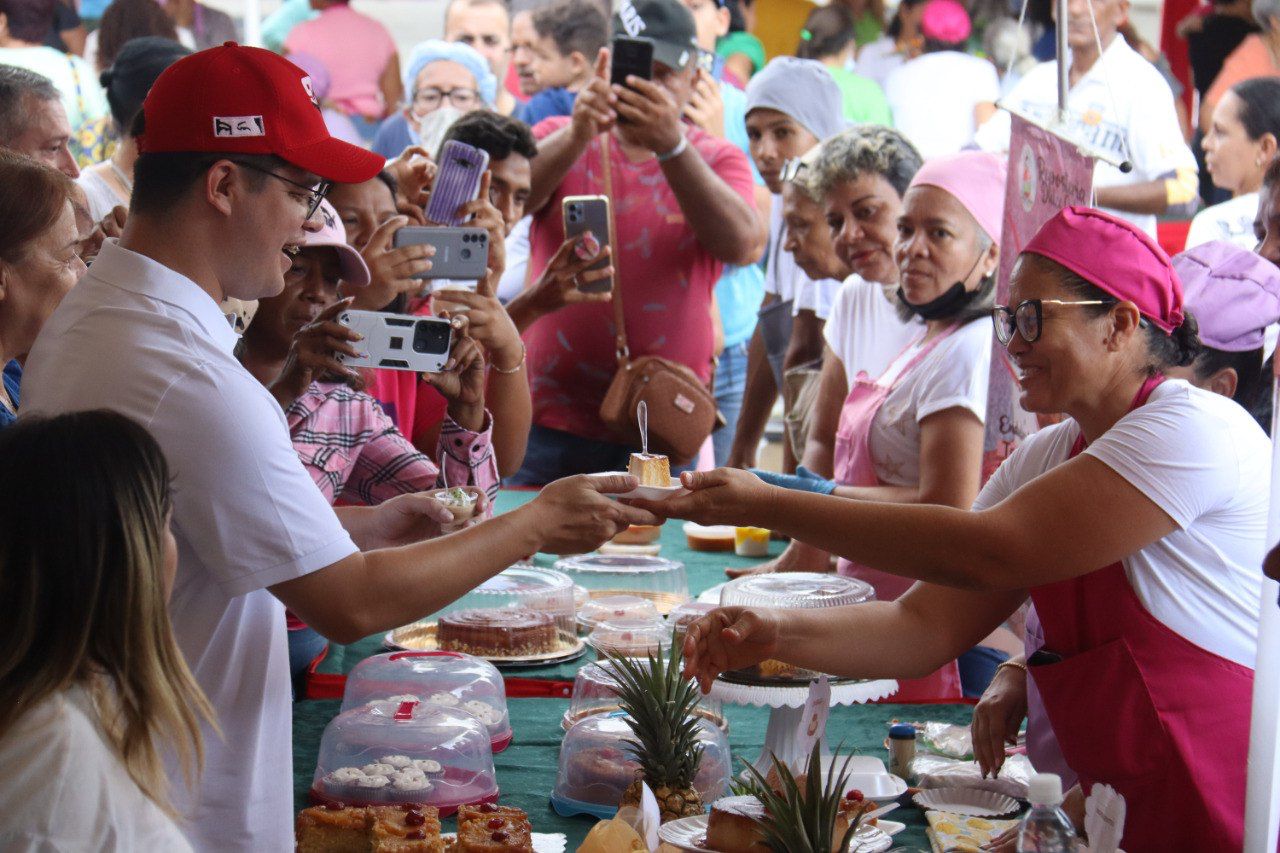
[
  {"x": 734, "y": 827},
  {"x": 498, "y": 632}
]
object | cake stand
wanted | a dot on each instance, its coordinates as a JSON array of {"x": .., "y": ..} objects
[{"x": 787, "y": 704}]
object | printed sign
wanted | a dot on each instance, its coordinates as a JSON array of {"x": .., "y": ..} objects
[
  {"x": 234, "y": 126},
  {"x": 1046, "y": 174}
]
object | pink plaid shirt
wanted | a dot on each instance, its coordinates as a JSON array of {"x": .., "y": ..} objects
[{"x": 354, "y": 452}]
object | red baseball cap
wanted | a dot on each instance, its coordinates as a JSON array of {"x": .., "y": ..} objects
[{"x": 246, "y": 100}]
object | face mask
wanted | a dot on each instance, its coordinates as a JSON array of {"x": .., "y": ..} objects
[
  {"x": 951, "y": 302},
  {"x": 434, "y": 125}
]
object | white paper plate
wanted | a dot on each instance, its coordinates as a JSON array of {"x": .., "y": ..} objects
[
  {"x": 543, "y": 842},
  {"x": 890, "y": 827},
  {"x": 880, "y": 787},
  {"x": 690, "y": 833},
  {"x": 648, "y": 493},
  {"x": 966, "y": 801}
]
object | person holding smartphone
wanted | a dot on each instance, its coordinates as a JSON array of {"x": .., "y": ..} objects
[{"x": 683, "y": 205}]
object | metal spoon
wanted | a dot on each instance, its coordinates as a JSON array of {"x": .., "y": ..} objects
[{"x": 642, "y": 416}]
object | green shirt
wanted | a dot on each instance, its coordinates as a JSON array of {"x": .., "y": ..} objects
[
  {"x": 742, "y": 42},
  {"x": 864, "y": 100},
  {"x": 867, "y": 29}
]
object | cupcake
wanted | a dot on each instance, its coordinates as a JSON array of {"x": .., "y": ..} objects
[
  {"x": 378, "y": 769},
  {"x": 446, "y": 699},
  {"x": 399, "y": 762},
  {"x": 427, "y": 765},
  {"x": 483, "y": 711}
]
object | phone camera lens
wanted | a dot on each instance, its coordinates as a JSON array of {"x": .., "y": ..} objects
[
  {"x": 431, "y": 337},
  {"x": 466, "y": 254}
]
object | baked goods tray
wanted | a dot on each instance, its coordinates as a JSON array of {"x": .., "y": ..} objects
[
  {"x": 772, "y": 694},
  {"x": 422, "y": 638}
]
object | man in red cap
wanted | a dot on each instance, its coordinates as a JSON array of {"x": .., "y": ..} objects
[{"x": 234, "y": 156}]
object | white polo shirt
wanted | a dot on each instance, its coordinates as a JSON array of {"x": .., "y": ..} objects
[
  {"x": 139, "y": 338},
  {"x": 784, "y": 279},
  {"x": 1142, "y": 115}
]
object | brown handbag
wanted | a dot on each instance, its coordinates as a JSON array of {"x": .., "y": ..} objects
[{"x": 682, "y": 410}]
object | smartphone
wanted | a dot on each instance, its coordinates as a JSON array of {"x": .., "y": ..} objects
[
  {"x": 584, "y": 213},
  {"x": 630, "y": 57},
  {"x": 710, "y": 62},
  {"x": 399, "y": 341},
  {"x": 461, "y": 253},
  {"x": 457, "y": 181}
]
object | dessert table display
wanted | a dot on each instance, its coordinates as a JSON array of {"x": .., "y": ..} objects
[{"x": 441, "y": 692}]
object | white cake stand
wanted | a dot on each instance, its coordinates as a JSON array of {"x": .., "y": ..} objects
[{"x": 787, "y": 702}]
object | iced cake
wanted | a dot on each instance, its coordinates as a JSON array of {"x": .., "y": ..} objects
[{"x": 498, "y": 632}]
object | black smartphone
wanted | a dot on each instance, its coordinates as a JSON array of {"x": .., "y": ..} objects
[{"x": 630, "y": 57}]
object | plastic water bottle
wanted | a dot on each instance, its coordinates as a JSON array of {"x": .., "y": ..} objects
[{"x": 1046, "y": 828}]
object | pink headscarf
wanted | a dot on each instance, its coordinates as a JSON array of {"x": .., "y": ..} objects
[
  {"x": 976, "y": 179},
  {"x": 1116, "y": 256}
]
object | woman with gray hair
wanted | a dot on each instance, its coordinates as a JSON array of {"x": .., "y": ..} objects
[{"x": 903, "y": 397}]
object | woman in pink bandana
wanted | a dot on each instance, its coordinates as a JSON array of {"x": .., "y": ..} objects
[{"x": 1137, "y": 526}]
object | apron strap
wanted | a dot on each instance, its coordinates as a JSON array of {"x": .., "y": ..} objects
[
  {"x": 920, "y": 356},
  {"x": 1144, "y": 393}
]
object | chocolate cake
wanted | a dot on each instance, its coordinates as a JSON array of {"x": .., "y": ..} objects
[{"x": 498, "y": 632}]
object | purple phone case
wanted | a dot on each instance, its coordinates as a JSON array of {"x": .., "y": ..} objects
[{"x": 457, "y": 182}]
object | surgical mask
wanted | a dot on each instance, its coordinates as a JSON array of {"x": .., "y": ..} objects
[
  {"x": 434, "y": 125},
  {"x": 949, "y": 303}
]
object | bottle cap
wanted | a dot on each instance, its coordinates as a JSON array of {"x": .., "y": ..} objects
[
  {"x": 1045, "y": 789},
  {"x": 902, "y": 731}
]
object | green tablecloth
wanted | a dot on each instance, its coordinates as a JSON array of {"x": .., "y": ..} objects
[
  {"x": 704, "y": 570},
  {"x": 527, "y": 768}
]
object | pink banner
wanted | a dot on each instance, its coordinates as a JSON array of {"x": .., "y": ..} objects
[{"x": 1046, "y": 174}]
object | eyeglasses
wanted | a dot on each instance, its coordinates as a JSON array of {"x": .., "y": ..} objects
[
  {"x": 430, "y": 98},
  {"x": 1027, "y": 319},
  {"x": 791, "y": 169},
  {"x": 314, "y": 194}
]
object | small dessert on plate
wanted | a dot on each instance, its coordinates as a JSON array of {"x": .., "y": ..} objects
[
  {"x": 734, "y": 827},
  {"x": 651, "y": 469},
  {"x": 498, "y": 632}
]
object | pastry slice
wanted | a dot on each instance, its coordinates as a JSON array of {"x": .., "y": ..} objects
[
  {"x": 322, "y": 829},
  {"x": 401, "y": 829},
  {"x": 489, "y": 828},
  {"x": 651, "y": 469}
]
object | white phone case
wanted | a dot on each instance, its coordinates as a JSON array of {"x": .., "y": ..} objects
[{"x": 399, "y": 341}]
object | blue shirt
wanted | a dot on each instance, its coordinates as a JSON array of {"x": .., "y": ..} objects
[
  {"x": 12, "y": 379},
  {"x": 545, "y": 104},
  {"x": 393, "y": 136},
  {"x": 740, "y": 290}
]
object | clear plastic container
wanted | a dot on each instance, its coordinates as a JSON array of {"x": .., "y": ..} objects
[
  {"x": 595, "y": 691},
  {"x": 680, "y": 618},
  {"x": 632, "y": 638},
  {"x": 596, "y": 766},
  {"x": 521, "y": 587},
  {"x": 661, "y": 581},
  {"x": 387, "y": 753},
  {"x": 451, "y": 679},
  {"x": 794, "y": 591},
  {"x": 607, "y": 608}
]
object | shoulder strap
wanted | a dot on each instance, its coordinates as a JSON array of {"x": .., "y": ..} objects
[{"x": 621, "y": 349}]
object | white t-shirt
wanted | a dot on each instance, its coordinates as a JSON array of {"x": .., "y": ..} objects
[
  {"x": 101, "y": 197},
  {"x": 784, "y": 279},
  {"x": 1140, "y": 123},
  {"x": 1203, "y": 460},
  {"x": 517, "y": 247},
  {"x": 139, "y": 338},
  {"x": 864, "y": 329},
  {"x": 879, "y": 58},
  {"x": 1232, "y": 220},
  {"x": 953, "y": 375},
  {"x": 933, "y": 98},
  {"x": 65, "y": 788}
]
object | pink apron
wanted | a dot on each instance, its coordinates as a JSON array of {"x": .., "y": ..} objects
[
  {"x": 1138, "y": 706},
  {"x": 854, "y": 467}
]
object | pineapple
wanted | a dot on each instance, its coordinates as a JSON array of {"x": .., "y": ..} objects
[
  {"x": 659, "y": 705},
  {"x": 802, "y": 812}
]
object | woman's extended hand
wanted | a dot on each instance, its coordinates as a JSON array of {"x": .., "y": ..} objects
[
  {"x": 722, "y": 496},
  {"x": 729, "y": 638},
  {"x": 312, "y": 355},
  {"x": 998, "y": 717}
]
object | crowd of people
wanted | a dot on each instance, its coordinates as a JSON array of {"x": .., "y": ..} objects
[{"x": 212, "y": 493}]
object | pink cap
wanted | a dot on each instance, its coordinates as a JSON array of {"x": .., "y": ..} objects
[
  {"x": 1118, "y": 257},
  {"x": 333, "y": 234},
  {"x": 945, "y": 21},
  {"x": 976, "y": 179},
  {"x": 1233, "y": 293}
]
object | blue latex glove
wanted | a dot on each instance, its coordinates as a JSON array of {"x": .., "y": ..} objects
[{"x": 803, "y": 480}]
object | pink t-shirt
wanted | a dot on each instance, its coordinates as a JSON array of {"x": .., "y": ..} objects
[
  {"x": 666, "y": 278},
  {"x": 355, "y": 49}
]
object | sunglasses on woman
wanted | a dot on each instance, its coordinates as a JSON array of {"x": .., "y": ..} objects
[{"x": 1027, "y": 318}]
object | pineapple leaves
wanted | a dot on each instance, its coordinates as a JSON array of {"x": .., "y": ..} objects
[
  {"x": 800, "y": 815},
  {"x": 659, "y": 704}
]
